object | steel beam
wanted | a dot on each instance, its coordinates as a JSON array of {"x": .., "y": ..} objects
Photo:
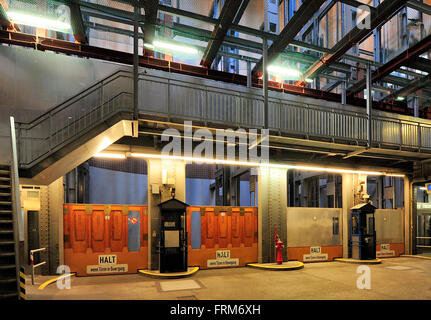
[
  {"x": 379, "y": 16},
  {"x": 78, "y": 27},
  {"x": 419, "y": 6},
  {"x": 126, "y": 17},
  {"x": 227, "y": 15},
  {"x": 241, "y": 11},
  {"x": 293, "y": 27},
  {"x": 420, "y": 64},
  {"x": 4, "y": 19},
  {"x": 412, "y": 87},
  {"x": 401, "y": 60},
  {"x": 151, "y": 7}
]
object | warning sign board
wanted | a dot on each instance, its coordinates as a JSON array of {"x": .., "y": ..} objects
[
  {"x": 107, "y": 264},
  {"x": 223, "y": 259}
]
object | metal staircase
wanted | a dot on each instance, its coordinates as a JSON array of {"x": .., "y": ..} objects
[
  {"x": 73, "y": 122},
  {"x": 9, "y": 281}
]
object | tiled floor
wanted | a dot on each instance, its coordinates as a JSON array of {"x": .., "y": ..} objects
[{"x": 397, "y": 278}]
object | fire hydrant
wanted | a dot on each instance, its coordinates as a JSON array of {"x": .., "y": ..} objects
[{"x": 279, "y": 245}]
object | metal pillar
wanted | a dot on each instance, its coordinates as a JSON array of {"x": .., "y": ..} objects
[
  {"x": 369, "y": 106},
  {"x": 272, "y": 203},
  {"x": 136, "y": 60},
  {"x": 159, "y": 191},
  {"x": 248, "y": 74},
  {"x": 343, "y": 93},
  {"x": 265, "y": 83},
  {"x": 348, "y": 202}
]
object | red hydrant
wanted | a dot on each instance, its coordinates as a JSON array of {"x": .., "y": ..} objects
[{"x": 279, "y": 245}]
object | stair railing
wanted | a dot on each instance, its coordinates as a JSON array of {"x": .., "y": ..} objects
[{"x": 74, "y": 117}]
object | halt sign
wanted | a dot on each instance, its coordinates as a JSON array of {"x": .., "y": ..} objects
[
  {"x": 107, "y": 264},
  {"x": 223, "y": 259},
  {"x": 385, "y": 251},
  {"x": 315, "y": 255}
]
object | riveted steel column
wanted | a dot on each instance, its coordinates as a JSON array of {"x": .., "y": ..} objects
[
  {"x": 369, "y": 106},
  {"x": 272, "y": 203},
  {"x": 248, "y": 74},
  {"x": 347, "y": 195},
  {"x": 136, "y": 60},
  {"x": 265, "y": 84},
  {"x": 175, "y": 170}
]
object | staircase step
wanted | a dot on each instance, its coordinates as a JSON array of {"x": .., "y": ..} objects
[
  {"x": 5, "y": 202},
  {"x": 4, "y": 211},
  {"x": 4, "y": 179},
  {"x": 9, "y": 295},
  {"x": 4, "y": 172},
  {"x": 6, "y": 231},
  {"x": 6, "y": 242},
  {"x": 7, "y": 266},
  {"x": 8, "y": 280},
  {"x": 5, "y": 194},
  {"x": 6, "y": 221},
  {"x": 7, "y": 254}
]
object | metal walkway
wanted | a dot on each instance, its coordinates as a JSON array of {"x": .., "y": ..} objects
[{"x": 177, "y": 98}]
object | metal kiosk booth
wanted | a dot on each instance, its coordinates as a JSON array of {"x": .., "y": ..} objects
[
  {"x": 173, "y": 236},
  {"x": 362, "y": 242}
]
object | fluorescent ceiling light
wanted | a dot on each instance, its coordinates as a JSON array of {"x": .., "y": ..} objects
[
  {"x": 262, "y": 165},
  {"x": 284, "y": 73},
  {"x": 38, "y": 21},
  {"x": 401, "y": 98},
  {"x": 110, "y": 155},
  {"x": 308, "y": 80},
  {"x": 174, "y": 47}
]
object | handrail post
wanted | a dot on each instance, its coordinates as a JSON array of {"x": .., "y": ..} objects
[
  {"x": 33, "y": 266},
  {"x": 419, "y": 137},
  {"x": 369, "y": 107}
]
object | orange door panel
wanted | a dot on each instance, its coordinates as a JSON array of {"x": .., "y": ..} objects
[
  {"x": 224, "y": 228},
  {"x": 98, "y": 231},
  {"x": 94, "y": 230},
  {"x": 117, "y": 231}
]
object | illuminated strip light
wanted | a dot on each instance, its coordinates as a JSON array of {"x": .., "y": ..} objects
[
  {"x": 171, "y": 46},
  {"x": 257, "y": 164},
  {"x": 39, "y": 22},
  {"x": 110, "y": 155},
  {"x": 284, "y": 71}
]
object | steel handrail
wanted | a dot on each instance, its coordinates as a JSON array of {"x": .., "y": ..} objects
[
  {"x": 33, "y": 266},
  {"x": 72, "y": 123},
  {"x": 75, "y": 98}
]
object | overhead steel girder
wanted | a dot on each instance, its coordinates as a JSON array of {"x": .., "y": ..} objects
[
  {"x": 78, "y": 27},
  {"x": 126, "y": 17},
  {"x": 419, "y": 6},
  {"x": 227, "y": 15},
  {"x": 412, "y": 87},
  {"x": 379, "y": 16},
  {"x": 306, "y": 12},
  {"x": 402, "y": 59},
  {"x": 420, "y": 64},
  {"x": 151, "y": 8},
  {"x": 356, "y": 4},
  {"x": 241, "y": 11},
  {"x": 4, "y": 19}
]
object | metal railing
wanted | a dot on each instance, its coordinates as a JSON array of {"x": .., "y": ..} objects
[
  {"x": 238, "y": 107},
  {"x": 189, "y": 98},
  {"x": 74, "y": 117},
  {"x": 33, "y": 266}
]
